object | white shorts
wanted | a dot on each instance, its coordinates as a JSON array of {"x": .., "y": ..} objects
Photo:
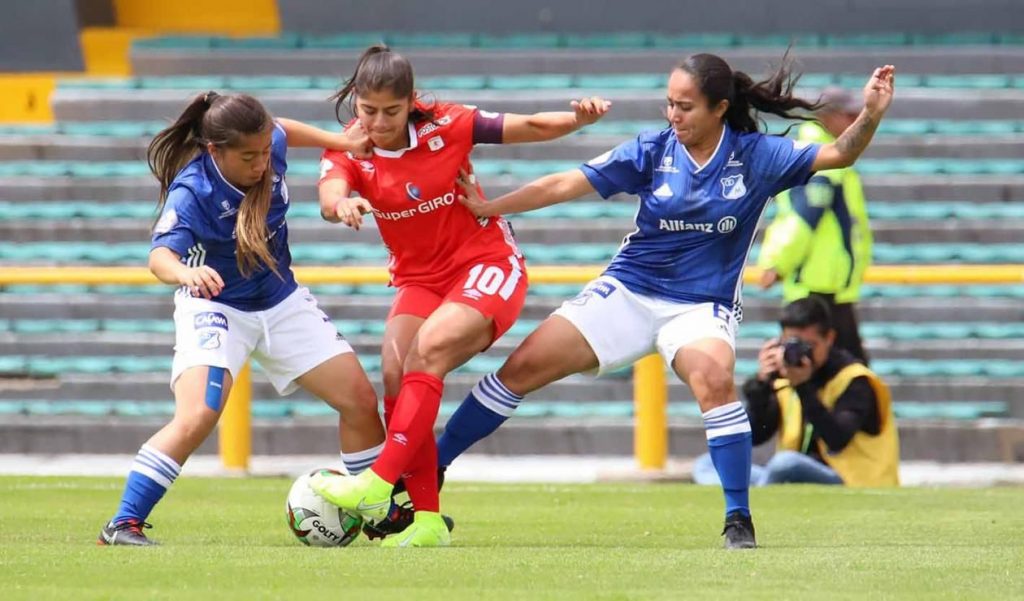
[
  {"x": 621, "y": 326},
  {"x": 288, "y": 340}
]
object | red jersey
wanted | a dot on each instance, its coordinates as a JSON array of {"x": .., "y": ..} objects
[{"x": 430, "y": 235}]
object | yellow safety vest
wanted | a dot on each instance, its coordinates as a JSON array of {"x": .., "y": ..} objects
[{"x": 868, "y": 459}]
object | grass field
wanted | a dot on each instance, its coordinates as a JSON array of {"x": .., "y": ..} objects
[{"x": 227, "y": 539}]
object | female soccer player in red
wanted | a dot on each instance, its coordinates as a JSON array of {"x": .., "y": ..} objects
[{"x": 461, "y": 280}]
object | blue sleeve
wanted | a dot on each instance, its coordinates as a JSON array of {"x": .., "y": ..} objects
[
  {"x": 175, "y": 228},
  {"x": 785, "y": 162},
  {"x": 622, "y": 169},
  {"x": 811, "y": 200},
  {"x": 279, "y": 149}
]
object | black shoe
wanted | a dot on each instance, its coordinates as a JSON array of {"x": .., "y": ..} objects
[
  {"x": 125, "y": 532},
  {"x": 399, "y": 518},
  {"x": 400, "y": 485},
  {"x": 739, "y": 531}
]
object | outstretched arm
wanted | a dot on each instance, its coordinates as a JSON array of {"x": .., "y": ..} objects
[
  {"x": 543, "y": 192},
  {"x": 303, "y": 135},
  {"x": 851, "y": 143},
  {"x": 540, "y": 127}
]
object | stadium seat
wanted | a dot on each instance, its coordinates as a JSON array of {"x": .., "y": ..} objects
[
  {"x": 522, "y": 41},
  {"x": 696, "y": 41},
  {"x": 284, "y": 41},
  {"x": 535, "y": 82},
  {"x": 430, "y": 40},
  {"x": 268, "y": 82},
  {"x": 342, "y": 41},
  {"x": 992, "y": 81},
  {"x": 608, "y": 41}
]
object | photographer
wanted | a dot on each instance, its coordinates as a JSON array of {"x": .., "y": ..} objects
[{"x": 833, "y": 416}]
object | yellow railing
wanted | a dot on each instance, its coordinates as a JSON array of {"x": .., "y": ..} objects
[{"x": 650, "y": 387}]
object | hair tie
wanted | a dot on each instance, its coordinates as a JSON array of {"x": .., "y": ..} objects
[{"x": 209, "y": 97}]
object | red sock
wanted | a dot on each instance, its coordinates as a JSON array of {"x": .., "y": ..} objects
[
  {"x": 389, "y": 409},
  {"x": 421, "y": 478},
  {"x": 412, "y": 423}
]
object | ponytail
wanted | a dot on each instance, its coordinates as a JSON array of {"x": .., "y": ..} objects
[
  {"x": 746, "y": 98},
  {"x": 379, "y": 69},
  {"x": 212, "y": 118}
]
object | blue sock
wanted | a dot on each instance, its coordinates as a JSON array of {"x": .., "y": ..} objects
[
  {"x": 152, "y": 474},
  {"x": 356, "y": 463},
  {"x": 729, "y": 440},
  {"x": 486, "y": 407}
]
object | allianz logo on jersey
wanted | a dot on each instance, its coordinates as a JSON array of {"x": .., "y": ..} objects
[
  {"x": 413, "y": 192},
  {"x": 724, "y": 226}
]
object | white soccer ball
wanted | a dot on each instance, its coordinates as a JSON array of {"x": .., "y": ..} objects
[{"x": 316, "y": 522}]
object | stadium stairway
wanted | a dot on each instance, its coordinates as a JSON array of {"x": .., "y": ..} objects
[{"x": 942, "y": 178}]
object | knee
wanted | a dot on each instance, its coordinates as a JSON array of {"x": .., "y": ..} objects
[
  {"x": 431, "y": 353},
  {"x": 194, "y": 426},
  {"x": 715, "y": 388},
  {"x": 360, "y": 399},
  {"x": 523, "y": 372}
]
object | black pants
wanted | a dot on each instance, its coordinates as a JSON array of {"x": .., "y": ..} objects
[{"x": 844, "y": 320}]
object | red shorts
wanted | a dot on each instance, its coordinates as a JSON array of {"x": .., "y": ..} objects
[{"x": 495, "y": 289}]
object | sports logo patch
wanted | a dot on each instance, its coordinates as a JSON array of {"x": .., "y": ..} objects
[
  {"x": 726, "y": 224},
  {"x": 435, "y": 143},
  {"x": 732, "y": 187},
  {"x": 210, "y": 319},
  {"x": 413, "y": 192},
  {"x": 209, "y": 339},
  {"x": 167, "y": 221}
]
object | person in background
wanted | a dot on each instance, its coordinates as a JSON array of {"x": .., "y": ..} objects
[
  {"x": 819, "y": 243},
  {"x": 832, "y": 415}
]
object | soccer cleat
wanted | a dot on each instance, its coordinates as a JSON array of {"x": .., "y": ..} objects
[
  {"x": 399, "y": 518},
  {"x": 428, "y": 529},
  {"x": 367, "y": 494},
  {"x": 739, "y": 531},
  {"x": 125, "y": 532}
]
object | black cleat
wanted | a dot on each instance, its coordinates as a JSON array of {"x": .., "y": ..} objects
[
  {"x": 125, "y": 532},
  {"x": 739, "y": 531},
  {"x": 399, "y": 518}
]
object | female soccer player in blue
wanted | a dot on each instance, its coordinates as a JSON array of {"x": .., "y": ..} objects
[
  {"x": 223, "y": 239},
  {"x": 675, "y": 284}
]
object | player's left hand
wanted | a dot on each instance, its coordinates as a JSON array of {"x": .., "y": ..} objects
[
  {"x": 590, "y": 110},
  {"x": 798, "y": 374},
  {"x": 470, "y": 196},
  {"x": 878, "y": 92},
  {"x": 359, "y": 141}
]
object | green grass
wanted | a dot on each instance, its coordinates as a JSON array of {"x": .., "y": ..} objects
[{"x": 227, "y": 539}]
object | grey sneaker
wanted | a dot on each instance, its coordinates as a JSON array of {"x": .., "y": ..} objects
[
  {"x": 125, "y": 532},
  {"x": 739, "y": 531}
]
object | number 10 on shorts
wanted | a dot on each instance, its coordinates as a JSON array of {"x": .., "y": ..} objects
[{"x": 492, "y": 279}]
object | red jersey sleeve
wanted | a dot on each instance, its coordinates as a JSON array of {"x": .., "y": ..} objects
[{"x": 336, "y": 164}]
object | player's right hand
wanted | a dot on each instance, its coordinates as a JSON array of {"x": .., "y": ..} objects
[
  {"x": 202, "y": 281},
  {"x": 351, "y": 210},
  {"x": 470, "y": 196},
  {"x": 361, "y": 146}
]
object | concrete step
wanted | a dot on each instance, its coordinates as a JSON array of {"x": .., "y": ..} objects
[{"x": 985, "y": 440}]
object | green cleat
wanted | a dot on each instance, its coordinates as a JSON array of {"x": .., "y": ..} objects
[
  {"x": 367, "y": 494},
  {"x": 428, "y": 529}
]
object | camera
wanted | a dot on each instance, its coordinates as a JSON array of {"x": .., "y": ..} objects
[{"x": 794, "y": 350}]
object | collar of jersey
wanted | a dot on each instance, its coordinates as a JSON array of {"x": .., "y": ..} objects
[
  {"x": 221, "y": 177},
  {"x": 394, "y": 154},
  {"x": 714, "y": 155}
]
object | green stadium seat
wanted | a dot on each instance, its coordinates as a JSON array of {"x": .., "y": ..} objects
[
  {"x": 452, "y": 82},
  {"x": 781, "y": 40},
  {"x": 695, "y": 41},
  {"x": 638, "y": 81},
  {"x": 431, "y": 40},
  {"x": 342, "y": 41},
  {"x": 284, "y": 41},
  {"x": 97, "y": 83},
  {"x": 523, "y": 41},
  {"x": 966, "y": 38},
  {"x": 991, "y": 81},
  {"x": 13, "y": 365},
  {"x": 54, "y": 326},
  {"x": 268, "y": 83},
  {"x": 192, "y": 42},
  {"x": 964, "y": 410},
  {"x": 533, "y": 82},
  {"x": 622, "y": 40},
  {"x": 994, "y": 127},
  {"x": 906, "y": 127},
  {"x": 191, "y": 83},
  {"x": 866, "y": 39},
  {"x": 27, "y": 129}
]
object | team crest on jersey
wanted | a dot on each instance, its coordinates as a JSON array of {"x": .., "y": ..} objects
[
  {"x": 209, "y": 339},
  {"x": 435, "y": 143},
  {"x": 666, "y": 166},
  {"x": 167, "y": 222},
  {"x": 732, "y": 187},
  {"x": 227, "y": 211}
]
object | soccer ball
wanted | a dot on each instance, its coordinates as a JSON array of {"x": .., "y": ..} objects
[{"x": 316, "y": 522}]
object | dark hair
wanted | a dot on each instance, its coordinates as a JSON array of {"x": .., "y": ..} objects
[
  {"x": 774, "y": 95},
  {"x": 220, "y": 120},
  {"x": 379, "y": 69},
  {"x": 805, "y": 312}
]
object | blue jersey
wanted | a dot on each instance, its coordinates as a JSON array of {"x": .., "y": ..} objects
[
  {"x": 198, "y": 223},
  {"x": 695, "y": 226}
]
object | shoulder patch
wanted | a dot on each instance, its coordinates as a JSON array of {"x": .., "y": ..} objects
[{"x": 167, "y": 222}]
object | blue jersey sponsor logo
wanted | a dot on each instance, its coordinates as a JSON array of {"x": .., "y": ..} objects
[
  {"x": 210, "y": 319},
  {"x": 413, "y": 192}
]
